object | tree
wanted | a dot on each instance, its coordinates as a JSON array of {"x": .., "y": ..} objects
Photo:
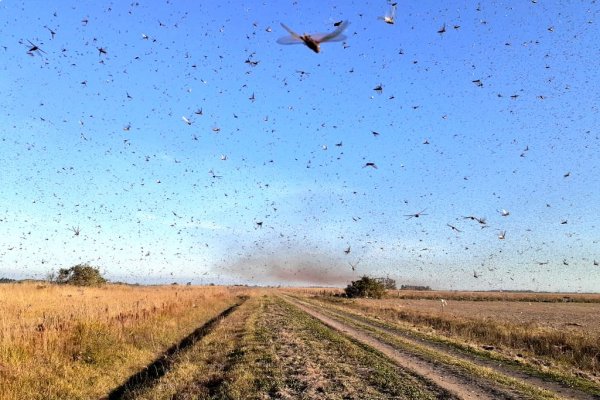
[
  {"x": 388, "y": 283},
  {"x": 80, "y": 275},
  {"x": 365, "y": 287}
]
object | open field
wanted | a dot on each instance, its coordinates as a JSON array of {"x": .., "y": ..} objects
[
  {"x": 174, "y": 342},
  {"x": 578, "y": 317},
  {"x": 69, "y": 342},
  {"x": 487, "y": 296}
]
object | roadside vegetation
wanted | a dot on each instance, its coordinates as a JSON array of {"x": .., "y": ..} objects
[
  {"x": 65, "y": 341},
  {"x": 574, "y": 354}
]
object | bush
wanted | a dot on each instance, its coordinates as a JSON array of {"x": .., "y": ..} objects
[
  {"x": 365, "y": 287},
  {"x": 80, "y": 275}
]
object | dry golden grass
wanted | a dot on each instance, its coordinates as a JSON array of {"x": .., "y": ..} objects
[
  {"x": 70, "y": 342},
  {"x": 218, "y": 366},
  {"x": 314, "y": 291}
]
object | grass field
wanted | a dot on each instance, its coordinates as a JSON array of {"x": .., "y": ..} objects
[
  {"x": 180, "y": 342},
  {"x": 69, "y": 342}
]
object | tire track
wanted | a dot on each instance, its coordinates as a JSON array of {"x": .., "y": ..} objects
[
  {"x": 161, "y": 365},
  {"x": 462, "y": 387},
  {"x": 561, "y": 389}
]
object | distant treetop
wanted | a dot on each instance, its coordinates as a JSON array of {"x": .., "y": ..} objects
[{"x": 80, "y": 275}]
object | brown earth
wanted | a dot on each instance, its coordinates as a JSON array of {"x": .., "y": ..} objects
[{"x": 584, "y": 317}]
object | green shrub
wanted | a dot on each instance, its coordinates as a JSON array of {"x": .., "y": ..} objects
[
  {"x": 365, "y": 287},
  {"x": 80, "y": 275}
]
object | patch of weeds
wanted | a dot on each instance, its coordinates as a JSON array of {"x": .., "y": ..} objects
[{"x": 94, "y": 344}]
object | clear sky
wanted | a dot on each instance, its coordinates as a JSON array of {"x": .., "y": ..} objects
[{"x": 178, "y": 141}]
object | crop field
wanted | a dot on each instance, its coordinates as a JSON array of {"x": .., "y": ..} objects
[{"x": 184, "y": 342}]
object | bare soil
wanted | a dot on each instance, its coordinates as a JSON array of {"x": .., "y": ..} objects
[{"x": 582, "y": 317}]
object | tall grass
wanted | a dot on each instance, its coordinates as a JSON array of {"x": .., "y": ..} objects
[{"x": 70, "y": 342}]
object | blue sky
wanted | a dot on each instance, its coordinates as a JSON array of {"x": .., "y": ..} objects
[{"x": 500, "y": 111}]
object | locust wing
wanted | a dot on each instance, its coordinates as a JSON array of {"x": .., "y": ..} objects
[
  {"x": 293, "y": 37},
  {"x": 335, "y": 36}
]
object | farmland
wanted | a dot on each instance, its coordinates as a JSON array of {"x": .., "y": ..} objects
[
  {"x": 69, "y": 342},
  {"x": 180, "y": 342}
]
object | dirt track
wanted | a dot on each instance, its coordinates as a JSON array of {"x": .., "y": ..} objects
[
  {"x": 457, "y": 382},
  {"x": 291, "y": 347},
  {"x": 458, "y": 387}
]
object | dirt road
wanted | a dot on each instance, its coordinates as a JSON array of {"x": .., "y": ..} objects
[
  {"x": 293, "y": 347},
  {"x": 494, "y": 381}
]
